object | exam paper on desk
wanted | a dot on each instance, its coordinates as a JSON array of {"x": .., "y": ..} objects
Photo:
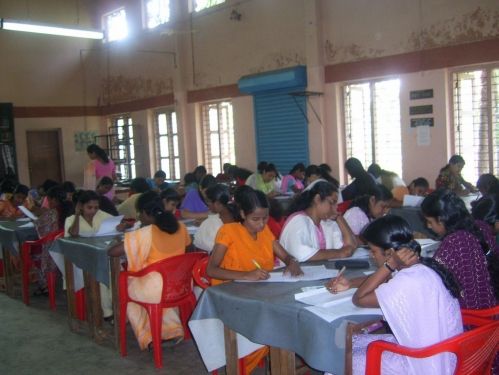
[
  {"x": 310, "y": 273},
  {"x": 107, "y": 227},
  {"x": 330, "y": 306},
  {"x": 360, "y": 252}
]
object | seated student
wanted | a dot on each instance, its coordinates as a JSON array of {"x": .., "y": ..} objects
[
  {"x": 48, "y": 221},
  {"x": 171, "y": 199},
  {"x": 326, "y": 174},
  {"x": 293, "y": 182},
  {"x": 189, "y": 183},
  {"x": 450, "y": 177},
  {"x": 222, "y": 212},
  {"x": 468, "y": 248},
  {"x": 390, "y": 180},
  {"x": 487, "y": 207},
  {"x": 194, "y": 205},
  {"x": 418, "y": 297},
  {"x": 312, "y": 173},
  {"x": 128, "y": 208},
  {"x": 9, "y": 207},
  {"x": 103, "y": 187},
  {"x": 309, "y": 232},
  {"x": 158, "y": 183},
  {"x": 160, "y": 237},
  {"x": 362, "y": 183},
  {"x": 87, "y": 220},
  {"x": 367, "y": 208},
  {"x": 264, "y": 179},
  {"x": 419, "y": 186},
  {"x": 227, "y": 174},
  {"x": 70, "y": 188},
  {"x": 199, "y": 173},
  {"x": 245, "y": 251},
  {"x": 7, "y": 187}
]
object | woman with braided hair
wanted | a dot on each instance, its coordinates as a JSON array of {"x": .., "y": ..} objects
[
  {"x": 418, "y": 298},
  {"x": 160, "y": 237}
]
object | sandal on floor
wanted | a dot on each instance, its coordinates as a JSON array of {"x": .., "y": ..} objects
[
  {"x": 41, "y": 292},
  {"x": 170, "y": 343},
  {"x": 109, "y": 319}
]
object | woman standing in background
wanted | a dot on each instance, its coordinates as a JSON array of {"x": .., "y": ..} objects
[{"x": 100, "y": 165}]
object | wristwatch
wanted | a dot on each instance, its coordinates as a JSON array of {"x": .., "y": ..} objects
[{"x": 392, "y": 270}]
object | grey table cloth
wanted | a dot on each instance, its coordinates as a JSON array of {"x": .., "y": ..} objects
[
  {"x": 12, "y": 234},
  {"x": 267, "y": 313}
]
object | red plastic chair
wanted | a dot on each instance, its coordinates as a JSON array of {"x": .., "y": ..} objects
[
  {"x": 480, "y": 317},
  {"x": 475, "y": 351},
  {"x": 29, "y": 248},
  {"x": 344, "y": 206},
  {"x": 199, "y": 273},
  {"x": 177, "y": 292}
]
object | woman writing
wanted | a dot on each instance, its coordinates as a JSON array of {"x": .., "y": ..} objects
[
  {"x": 100, "y": 165},
  {"x": 245, "y": 250},
  {"x": 362, "y": 183},
  {"x": 450, "y": 177},
  {"x": 367, "y": 208},
  {"x": 194, "y": 204},
  {"x": 223, "y": 212},
  {"x": 315, "y": 230},
  {"x": 418, "y": 298},
  {"x": 160, "y": 237},
  {"x": 293, "y": 182},
  {"x": 468, "y": 249},
  {"x": 264, "y": 180}
]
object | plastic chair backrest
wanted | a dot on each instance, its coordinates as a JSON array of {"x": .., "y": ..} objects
[
  {"x": 475, "y": 350},
  {"x": 344, "y": 206},
  {"x": 480, "y": 317},
  {"x": 176, "y": 273},
  {"x": 199, "y": 273}
]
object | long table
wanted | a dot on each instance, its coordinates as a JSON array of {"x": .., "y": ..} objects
[
  {"x": 267, "y": 314},
  {"x": 90, "y": 255},
  {"x": 12, "y": 234}
]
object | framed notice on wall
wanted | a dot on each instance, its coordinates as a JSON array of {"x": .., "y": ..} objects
[{"x": 84, "y": 139}]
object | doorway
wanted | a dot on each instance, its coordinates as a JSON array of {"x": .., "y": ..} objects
[{"x": 44, "y": 156}]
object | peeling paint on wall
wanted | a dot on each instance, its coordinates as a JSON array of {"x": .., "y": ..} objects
[
  {"x": 470, "y": 27},
  {"x": 278, "y": 61},
  {"x": 117, "y": 89},
  {"x": 475, "y": 25}
]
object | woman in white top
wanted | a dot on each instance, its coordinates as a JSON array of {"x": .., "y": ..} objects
[
  {"x": 366, "y": 208},
  {"x": 221, "y": 212},
  {"x": 87, "y": 221},
  {"x": 316, "y": 231}
]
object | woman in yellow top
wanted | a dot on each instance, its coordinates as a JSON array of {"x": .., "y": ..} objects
[
  {"x": 160, "y": 237},
  {"x": 245, "y": 250}
]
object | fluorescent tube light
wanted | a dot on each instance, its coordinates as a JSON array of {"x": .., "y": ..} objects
[{"x": 50, "y": 30}]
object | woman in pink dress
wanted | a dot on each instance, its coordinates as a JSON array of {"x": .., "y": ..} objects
[{"x": 100, "y": 165}]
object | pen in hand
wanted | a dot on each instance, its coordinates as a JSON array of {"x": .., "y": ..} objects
[
  {"x": 256, "y": 264},
  {"x": 332, "y": 288}
]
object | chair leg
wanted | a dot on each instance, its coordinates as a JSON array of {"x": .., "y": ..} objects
[
  {"x": 51, "y": 276},
  {"x": 80, "y": 304},
  {"x": 185, "y": 312},
  {"x": 123, "y": 306},
  {"x": 25, "y": 275},
  {"x": 155, "y": 320}
]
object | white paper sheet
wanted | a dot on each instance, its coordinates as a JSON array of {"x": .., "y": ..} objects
[
  {"x": 428, "y": 246},
  {"x": 310, "y": 273},
  {"x": 323, "y": 296},
  {"x": 412, "y": 200},
  {"x": 27, "y": 225},
  {"x": 339, "y": 310},
  {"x": 107, "y": 227},
  {"x": 360, "y": 252},
  {"x": 27, "y": 212}
]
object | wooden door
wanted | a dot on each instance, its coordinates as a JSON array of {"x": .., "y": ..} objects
[{"x": 44, "y": 156}]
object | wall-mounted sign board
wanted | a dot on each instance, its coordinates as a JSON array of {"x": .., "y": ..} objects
[
  {"x": 421, "y": 110},
  {"x": 421, "y": 94},
  {"x": 423, "y": 121}
]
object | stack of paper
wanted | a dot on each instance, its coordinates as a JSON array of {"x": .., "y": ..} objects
[
  {"x": 309, "y": 273},
  {"x": 107, "y": 227},
  {"x": 428, "y": 246},
  {"x": 412, "y": 200}
]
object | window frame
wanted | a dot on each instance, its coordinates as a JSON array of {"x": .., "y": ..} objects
[
  {"x": 145, "y": 16},
  {"x": 206, "y": 135},
  {"x": 372, "y": 83},
  {"x": 192, "y": 5},
  {"x": 128, "y": 151},
  {"x": 105, "y": 25},
  {"x": 452, "y": 132},
  {"x": 174, "y": 173}
]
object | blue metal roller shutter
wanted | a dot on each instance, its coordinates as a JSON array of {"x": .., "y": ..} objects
[{"x": 281, "y": 128}]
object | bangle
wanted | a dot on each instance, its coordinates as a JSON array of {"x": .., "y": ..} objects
[
  {"x": 389, "y": 267},
  {"x": 291, "y": 259}
]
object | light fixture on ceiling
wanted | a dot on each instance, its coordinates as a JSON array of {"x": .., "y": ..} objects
[{"x": 6, "y": 24}]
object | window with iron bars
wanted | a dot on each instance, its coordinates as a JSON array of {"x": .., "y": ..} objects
[
  {"x": 372, "y": 123},
  {"x": 476, "y": 120},
  {"x": 167, "y": 144}
]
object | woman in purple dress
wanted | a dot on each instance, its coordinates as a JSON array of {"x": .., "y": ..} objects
[{"x": 468, "y": 249}]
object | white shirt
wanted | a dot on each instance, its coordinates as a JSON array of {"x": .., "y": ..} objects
[
  {"x": 300, "y": 240},
  {"x": 204, "y": 238},
  {"x": 356, "y": 219}
]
